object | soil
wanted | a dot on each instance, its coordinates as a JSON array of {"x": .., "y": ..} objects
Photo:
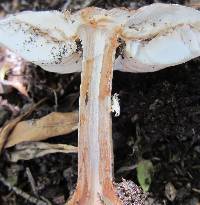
[{"x": 159, "y": 121}]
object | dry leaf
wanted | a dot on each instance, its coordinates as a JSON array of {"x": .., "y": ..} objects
[
  {"x": 31, "y": 150},
  {"x": 51, "y": 125},
  {"x": 6, "y": 130}
]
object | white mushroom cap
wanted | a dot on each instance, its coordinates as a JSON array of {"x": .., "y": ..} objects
[
  {"x": 44, "y": 38},
  {"x": 171, "y": 48},
  {"x": 156, "y": 36},
  {"x": 159, "y": 36},
  {"x": 154, "y": 19}
]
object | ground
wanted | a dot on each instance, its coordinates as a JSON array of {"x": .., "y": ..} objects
[{"x": 159, "y": 121}]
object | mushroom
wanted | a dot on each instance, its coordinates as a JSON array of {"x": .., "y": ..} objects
[{"x": 155, "y": 37}]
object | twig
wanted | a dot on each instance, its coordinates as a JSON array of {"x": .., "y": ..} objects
[
  {"x": 126, "y": 168},
  {"x": 32, "y": 181},
  {"x": 56, "y": 100},
  {"x": 86, "y": 3},
  {"x": 66, "y": 5},
  {"x": 196, "y": 190},
  {"x": 23, "y": 194}
]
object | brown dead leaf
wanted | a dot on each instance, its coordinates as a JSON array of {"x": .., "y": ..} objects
[
  {"x": 48, "y": 126},
  {"x": 31, "y": 150},
  {"x": 6, "y": 130}
]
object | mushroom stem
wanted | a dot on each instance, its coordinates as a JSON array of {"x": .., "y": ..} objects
[{"x": 95, "y": 150}]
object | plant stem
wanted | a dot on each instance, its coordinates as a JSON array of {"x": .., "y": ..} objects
[{"x": 95, "y": 149}]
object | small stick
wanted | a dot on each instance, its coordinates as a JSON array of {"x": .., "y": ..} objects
[
  {"x": 32, "y": 181},
  {"x": 56, "y": 100},
  {"x": 66, "y": 5},
  {"x": 86, "y": 3}
]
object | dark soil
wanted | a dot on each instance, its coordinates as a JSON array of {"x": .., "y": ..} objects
[{"x": 159, "y": 121}]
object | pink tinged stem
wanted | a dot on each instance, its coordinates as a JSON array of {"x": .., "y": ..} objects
[{"x": 95, "y": 149}]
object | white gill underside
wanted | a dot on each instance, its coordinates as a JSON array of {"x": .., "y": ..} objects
[
  {"x": 156, "y": 36},
  {"x": 174, "y": 47}
]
